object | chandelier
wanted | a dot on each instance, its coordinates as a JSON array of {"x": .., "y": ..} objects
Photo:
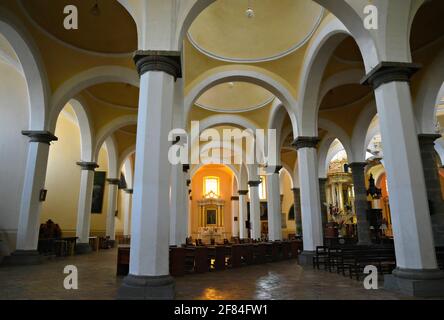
[
  {"x": 95, "y": 10},
  {"x": 249, "y": 12}
]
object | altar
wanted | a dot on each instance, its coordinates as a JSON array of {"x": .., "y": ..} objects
[
  {"x": 211, "y": 219},
  {"x": 206, "y": 234}
]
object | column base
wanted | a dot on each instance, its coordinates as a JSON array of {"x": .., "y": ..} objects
[
  {"x": 438, "y": 234},
  {"x": 83, "y": 248},
  {"x": 147, "y": 288},
  {"x": 416, "y": 283},
  {"x": 306, "y": 258},
  {"x": 23, "y": 258}
]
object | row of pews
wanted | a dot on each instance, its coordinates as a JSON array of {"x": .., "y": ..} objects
[
  {"x": 351, "y": 260},
  {"x": 200, "y": 259}
]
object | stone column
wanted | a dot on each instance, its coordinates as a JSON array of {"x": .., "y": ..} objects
[
  {"x": 436, "y": 204},
  {"x": 235, "y": 213},
  {"x": 274, "y": 206},
  {"x": 178, "y": 216},
  {"x": 127, "y": 205},
  {"x": 149, "y": 263},
  {"x": 84, "y": 206},
  {"x": 358, "y": 174},
  {"x": 255, "y": 210},
  {"x": 297, "y": 210},
  {"x": 323, "y": 200},
  {"x": 31, "y": 204},
  {"x": 243, "y": 214},
  {"x": 310, "y": 201},
  {"x": 416, "y": 273},
  {"x": 113, "y": 184}
]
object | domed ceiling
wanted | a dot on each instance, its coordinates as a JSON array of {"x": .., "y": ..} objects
[
  {"x": 110, "y": 29},
  {"x": 234, "y": 97},
  {"x": 119, "y": 94},
  {"x": 223, "y": 31}
]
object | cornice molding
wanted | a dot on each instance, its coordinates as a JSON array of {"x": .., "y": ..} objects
[
  {"x": 40, "y": 136},
  {"x": 152, "y": 60},
  {"x": 305, "y": 142},
  {"x": 87, "y": 166},
  {"x": 386, "y": 72}
]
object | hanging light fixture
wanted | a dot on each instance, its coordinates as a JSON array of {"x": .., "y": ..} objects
[
  {"x": 249, "y": 12},
  {"x": 95, "y": 10}
]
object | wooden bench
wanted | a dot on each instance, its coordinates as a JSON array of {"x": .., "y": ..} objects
[
  {"x": 177, "y": 261},
  {"x": 123, "y": 258}
]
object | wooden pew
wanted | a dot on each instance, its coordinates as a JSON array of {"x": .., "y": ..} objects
[
  {"x": 247, "y": 254},
  {"x": 177, "y": 262},
  {"x": 201, "y": 260},
  {"x": 123, "y": 258},
  {"x": 219, "y": 264},
  {"x": 236, "y": 255}
]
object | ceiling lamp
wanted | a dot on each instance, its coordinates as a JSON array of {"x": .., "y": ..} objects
[
  {"x": 95, "y": 10},
  {"x": 249, "y": 12}
]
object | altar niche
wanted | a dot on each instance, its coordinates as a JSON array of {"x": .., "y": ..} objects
[{"x": 211, "y": 219}]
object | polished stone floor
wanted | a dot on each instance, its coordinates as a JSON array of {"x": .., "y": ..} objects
[{"x": 283, "y": 280}]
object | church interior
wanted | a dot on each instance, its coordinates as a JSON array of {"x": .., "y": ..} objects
[{"x": 346, "y": 97}]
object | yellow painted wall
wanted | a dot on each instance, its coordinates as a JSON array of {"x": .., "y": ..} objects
[
  {"x": 287, "y": 202},
  {"x": 63, "y": 179}
]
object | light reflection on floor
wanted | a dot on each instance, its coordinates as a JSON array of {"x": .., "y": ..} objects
[{"x": 282, "y": 280}]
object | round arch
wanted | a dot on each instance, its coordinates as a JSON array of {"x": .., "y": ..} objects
[
  {"x": 430, "y": 91},
  {"x": 254, "y": 76},
  {"x": 360, "y": 131},
  {"x": 319, "y": 53},
  {"x": 125, "y": 154},
  {"x": 110, "y": 128},
  {"x": 85, "y": 125},
  {"x": 32, "y": 66},
  {"x": 233, "y": 169},
  {"x": 85, "y": 79}
]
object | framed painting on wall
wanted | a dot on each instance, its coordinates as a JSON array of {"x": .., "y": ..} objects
[{"x": 98, "y": 192}]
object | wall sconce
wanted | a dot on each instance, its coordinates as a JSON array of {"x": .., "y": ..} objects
[{"x": 42, "y": 196}]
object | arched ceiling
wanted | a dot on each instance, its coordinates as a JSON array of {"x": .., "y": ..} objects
[
  {"x": 427, "y": 25},
  {"x": 111, "y": 31},
  {"x": 234, "y": 97},
  {"x": 344, "y": 95},
  {"x": 224, "y": 32},
  {"x": 130, "y": 130},
  {"x": 348, "y": 50},
  {"x": 118, "y": 94}
]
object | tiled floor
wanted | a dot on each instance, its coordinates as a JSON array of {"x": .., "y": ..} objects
[{"x": 97, "y": 280}]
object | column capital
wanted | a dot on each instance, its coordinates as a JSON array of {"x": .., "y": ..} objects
[
  {"x": 40, "y": 136},
  {"x": 425, "y": 138},
  {"x": 153, "y": 60},
  {"x": 242, "y": 192},
  {"x": 129, "y": 191},
  {"x": 185, "y": 168},
  {"x": 113, "y": 181},
  {"x": 254, "y": 183},
  {"x": 305, "y": 142},
  {"x": 273, "y": 169},
  {"x": 90, "y": 166},
  {"x": 387, "y": 71},
  {"x": 234, "y": 198},
  {"x": 356, "y": 166}
]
